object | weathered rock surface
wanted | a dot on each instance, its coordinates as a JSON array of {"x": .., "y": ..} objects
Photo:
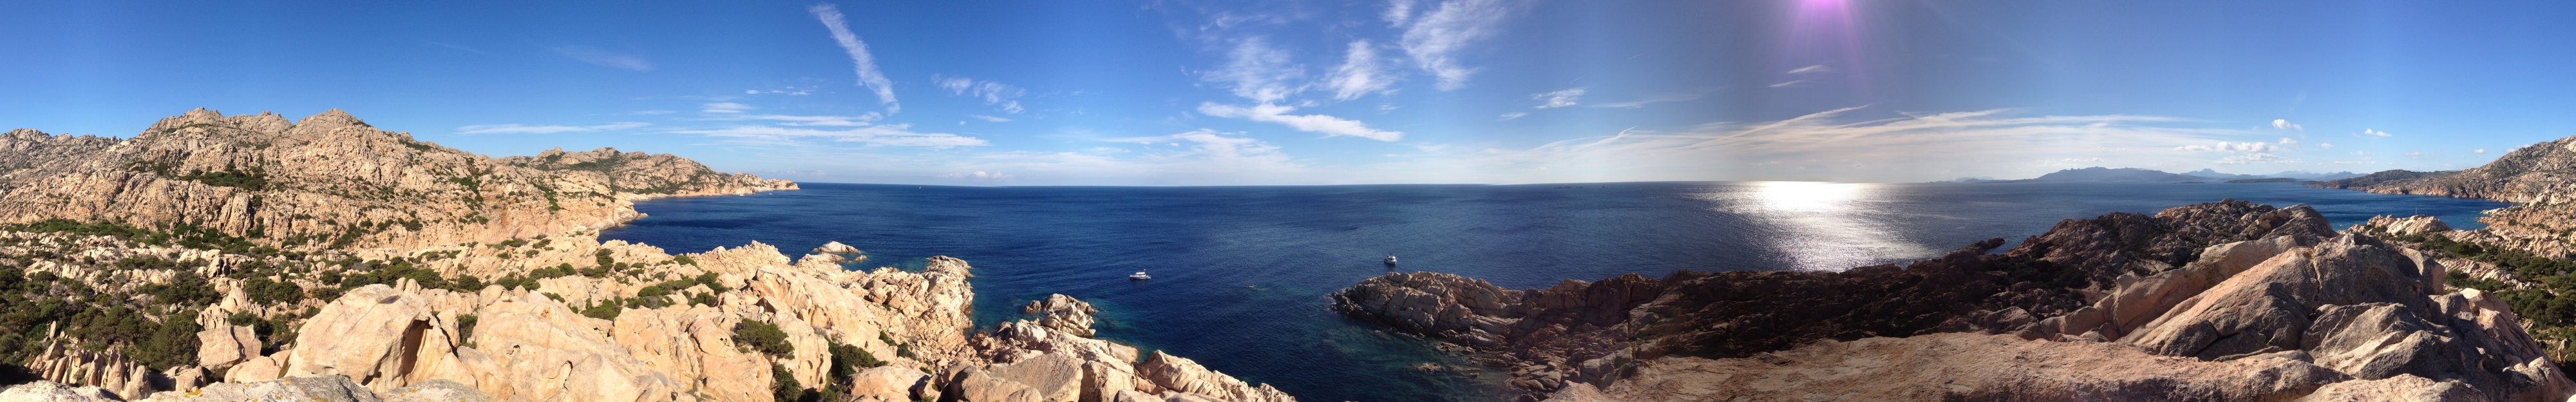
[
  {"x": 2221, "y": 283},
  {"x": 1959, "y": 366},
  {"x": 888, "y": 383},
  {"x": 224, "y": 346},
  {"x": 1062, "y": 313},
  {"x": 836, "y": 248},
  {"x": 329, "y": 388},
  {"x": 108, "y": 370},
  {"x": 49, "y": 391},
  {"x": 330, "y": 180}
]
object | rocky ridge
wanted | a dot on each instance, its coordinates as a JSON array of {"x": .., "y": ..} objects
[
  {"x": 508, "y": 295},
  {"x": 2249, "y": 303},
  {"x": 331, "y": 180}
]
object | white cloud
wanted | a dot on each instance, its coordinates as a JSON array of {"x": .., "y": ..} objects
[
  {"x": 1819, "y": 68},
  {"x": 2480, "y": 151},
  {"x": 1651, "y": 100},
  {"x": 726, "y": 107},
  {"x": 837, "y": 121},
  {"x": 605, "y": 58},
  {"x": 1258, "y": 72},
  {"x": 1560, "y": 98},
  {"x": 860, "y": 59},
  {"x": 526, "y": 129},
  {"x": 2257, "y": 158},
  {"x": 993, "y": 93},
  {"x": 1823, "y": 146},
  {"x": 1230, "y": 148},
  {"x": 890, "y": 135},
  {"x": 1398, "y": 12},
  {"x": 977, "y": 175},
  {"x": 989, "y": 118},
  {"x": 1434, "y": 38},
  {"x": 1791, "y": 83},
  {"x": 2415, "y": 155},
  {"x": 1313, "y": 123},
  {"x": 2231, "y": 147},
  {"x": 1513, "y": 115},
  {"x": 1361, "y": 73},
  {"x": 2366, "y": 133},
  {"x": 2325, "y": 145},
  {"x": 2287, "y": 142},
  {"x": 2285, "y": 124}
]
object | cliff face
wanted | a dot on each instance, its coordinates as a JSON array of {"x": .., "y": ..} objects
[
  {"x": 2222, "y": 284},
  {"x": 241, "y": 258},
  {"x": 331, "y": 181}
]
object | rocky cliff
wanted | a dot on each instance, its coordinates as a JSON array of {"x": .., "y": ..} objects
[
  {"x": 330, "y": 181},
  {"x": 2250, "y": 303},
  {"x": 242, "y": 258}
]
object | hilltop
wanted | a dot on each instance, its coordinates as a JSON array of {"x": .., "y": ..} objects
[
  {"x": 236, "y": 258},
  {"x": 331, "y": 181}
]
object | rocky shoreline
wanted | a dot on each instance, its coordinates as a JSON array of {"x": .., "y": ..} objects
[
  {"x": 238, "y": 258},
  {"x": 2221, "y": 301}
]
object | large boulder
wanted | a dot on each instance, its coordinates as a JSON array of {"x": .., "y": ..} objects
[
  {"x": 887, "y": 383},
  {"x": 695, "y": 343},
  {"x": 224, "y": 346},
  {"x": 374, "y": 335},
  {"x": 1182, "y": 375},
  {"x": 1063, "y": 313},
  {"x": 534, "y": 348}
]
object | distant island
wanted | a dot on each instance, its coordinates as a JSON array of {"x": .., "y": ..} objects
[{"x": 2157, "y": 176}]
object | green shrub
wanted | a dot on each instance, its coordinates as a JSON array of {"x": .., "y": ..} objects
[
  {"x": 763, "y": 337},
  {"x": 606, "y": 310},
  {"x": 264, "y": 291}
]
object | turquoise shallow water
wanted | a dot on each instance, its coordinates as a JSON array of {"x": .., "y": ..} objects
[{"x": 1241, "y": 273}]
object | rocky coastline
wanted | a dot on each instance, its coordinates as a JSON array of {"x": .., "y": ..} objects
[
  {"x": 235, "y": 258},
  {"x": 2220, "y": 301}
]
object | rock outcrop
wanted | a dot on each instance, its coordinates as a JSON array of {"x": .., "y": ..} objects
[
  {"x": 1958, "y": 366},
  {"x": 2216, "y": 283},
  {"x": 330, "y": 180},
  {"x": 49, "y": 391}
]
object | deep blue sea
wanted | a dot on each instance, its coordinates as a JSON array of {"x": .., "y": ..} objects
[{"x": 1241, "y": 273}]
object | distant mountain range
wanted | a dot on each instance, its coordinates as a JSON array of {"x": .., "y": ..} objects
[{"x": 2145, "y": 175}]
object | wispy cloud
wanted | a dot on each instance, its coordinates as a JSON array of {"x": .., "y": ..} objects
[
  {"x": 1361, "y": 73},
  {"x": 1435, "y": 38},
  {"x": 2224, "y": 146},
  {"x": 792, "y": 120},
  {"x": 2285, "y": 124},
  {"x": 1819, "y": 68},
  {"x": 890, "y": 135},
  {"x": 994, "y": 119},
  {"x": 1791, "y": 83},
  {"x": 1652, "y": 100},
  {"x": 1256, "y": 71},
  {"x": 2257, "y": 158},
  {"x": 2480, "y": 151},
  {"x": 1559, "y": 98},
  {"x": 604, "y": 58},
  {"x": 2368, "y": 133},
  {"x": 1313, "y": 123},
  {"x": 725, "y": 107},
  {"x": 993, "y": 93},
  {"x": 1826, "y": 146},
  {"x": 1514, "y": 115},
  {"x": 527, "y": 129},
  {"x": 860, "y": 59}
]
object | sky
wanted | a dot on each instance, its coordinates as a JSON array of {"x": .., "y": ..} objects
[{"x": 1291, "y": 92}]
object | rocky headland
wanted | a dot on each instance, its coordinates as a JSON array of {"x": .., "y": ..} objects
[
  {"x": 2220, "y": 301},
  {"x": 235, "y": 258}
]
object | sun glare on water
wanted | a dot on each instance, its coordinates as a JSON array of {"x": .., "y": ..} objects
[{"x": 1817, "y": 226}]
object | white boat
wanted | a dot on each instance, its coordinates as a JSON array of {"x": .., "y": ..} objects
[
  {"x": 1140, "y": 275},
  {"x": 1390, "y": 259}
]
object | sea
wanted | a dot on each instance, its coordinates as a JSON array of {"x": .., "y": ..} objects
[{"x": 1241, "y": 274}]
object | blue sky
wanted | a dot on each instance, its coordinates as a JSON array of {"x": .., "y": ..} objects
[{"x": 1341, "y": 92}]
